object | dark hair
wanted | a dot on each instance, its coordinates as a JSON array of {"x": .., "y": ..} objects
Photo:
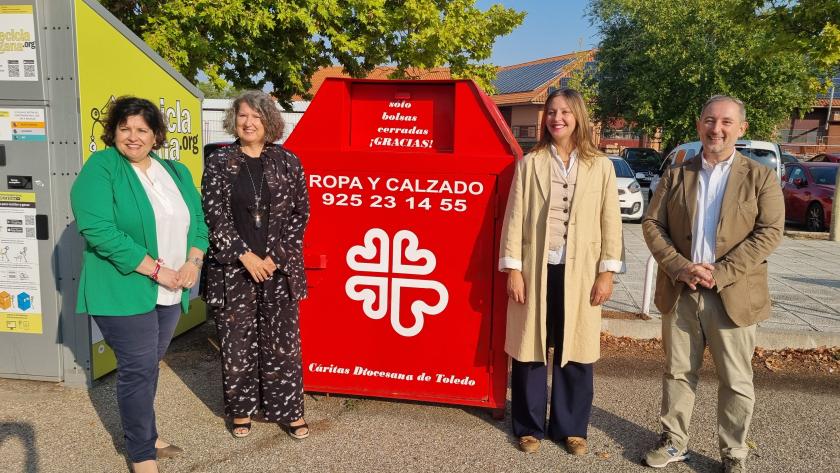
[{"x": 127, "y": 106}]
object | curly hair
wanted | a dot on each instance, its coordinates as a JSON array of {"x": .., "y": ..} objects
[
  {"x": 263, "y": 104},
  {"x": 127, "y": 106}
]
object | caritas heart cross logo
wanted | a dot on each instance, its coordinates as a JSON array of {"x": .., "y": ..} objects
[{"x": 402, "y": 256}]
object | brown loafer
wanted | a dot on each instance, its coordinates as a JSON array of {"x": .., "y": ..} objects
[
  {"x": 529, "y": 444},
  {"x": 576, "y": 445},
  {"x": 169, "y": 451}
]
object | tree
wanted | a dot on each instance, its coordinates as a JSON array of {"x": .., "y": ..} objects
[
  {"x": 659, "y": 60},
  {"x": 211, "y": 90},
  {"x": 279, "y": 44},
  {"x": 583, "y": 79},
  {"x": 809, "y": 27}
]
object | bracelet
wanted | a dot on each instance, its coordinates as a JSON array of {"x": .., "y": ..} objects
[
  {"x": 197, "y": 262},
  {"x": 154, "y": 275}
]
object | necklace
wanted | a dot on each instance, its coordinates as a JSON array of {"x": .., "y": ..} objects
[
  {"x": 256, "y": 212},
  {"x": 144, "y": 175}
]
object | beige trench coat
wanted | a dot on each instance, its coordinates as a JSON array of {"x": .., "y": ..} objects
[{"x": 594, "y": 236}]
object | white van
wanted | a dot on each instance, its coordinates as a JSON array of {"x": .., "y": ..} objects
[{"x": 764, "y": 152}]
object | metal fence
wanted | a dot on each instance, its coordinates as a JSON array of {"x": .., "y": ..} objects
[
  {"x": 213, "y": 115},
  {"x": 811, "y": 136}
]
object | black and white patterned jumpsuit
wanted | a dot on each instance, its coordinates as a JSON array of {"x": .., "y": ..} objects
[{"x": 257, "y": 323}]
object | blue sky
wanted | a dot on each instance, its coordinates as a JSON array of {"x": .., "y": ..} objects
[{"x": 551, "y": 28}]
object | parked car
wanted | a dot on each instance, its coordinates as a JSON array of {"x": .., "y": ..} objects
[
  {"x": 808, "y": 189},
  {"x": 788, "y": 158},
  {"x": 630, "y": 198},
  {"x": 643, "y": 161},
  {"x": 826, "y": 158},
  {"x": 764, "y": 152}
]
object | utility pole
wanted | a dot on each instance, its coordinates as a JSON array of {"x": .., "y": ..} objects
[{"x": 834, "y": 231}]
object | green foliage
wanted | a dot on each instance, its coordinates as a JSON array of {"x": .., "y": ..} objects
[
  {"x": 212, "y": 90},
  {"x": 809, "y": 27},
  {"x": 584, "y": 80},
  {"x": 251, "y": 43},
  {"x": 660, "y": 60}
]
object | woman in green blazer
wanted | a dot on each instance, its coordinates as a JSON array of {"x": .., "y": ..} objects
[{"x": 142, "y": 220}]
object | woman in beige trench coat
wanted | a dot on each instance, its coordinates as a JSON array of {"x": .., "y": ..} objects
[{"x": 561, "y": 244}]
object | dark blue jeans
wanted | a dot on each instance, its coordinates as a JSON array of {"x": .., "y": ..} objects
[{"x": 139, "y": 342}]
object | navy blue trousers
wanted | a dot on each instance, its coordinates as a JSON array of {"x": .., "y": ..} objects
[
  {"x": 139, "y": 342},
  {"x": 571, "y": 388}
]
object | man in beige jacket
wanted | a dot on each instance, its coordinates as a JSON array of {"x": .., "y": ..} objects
[{"x": 711, "y": 225}]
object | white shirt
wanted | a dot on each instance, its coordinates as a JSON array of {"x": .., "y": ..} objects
[
  {"x": 172, "y": 222},
  {"x": 559, "y": 162},
  {"x": 712, "y": 184},
  {"x": 558, "y": 255}
]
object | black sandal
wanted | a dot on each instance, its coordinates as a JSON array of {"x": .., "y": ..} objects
[
  {"x": 293, "y": 430},
  {"x": 235, "y": 427}
]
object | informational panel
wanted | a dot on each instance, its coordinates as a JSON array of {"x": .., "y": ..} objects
[
  {"x": 420, "y": 119},
  {"x": 22, "y": 124},
  {"x": 112, "y": 65},
  {"x": 20, "y": 281},
  {"x": 18, "y": 45}
]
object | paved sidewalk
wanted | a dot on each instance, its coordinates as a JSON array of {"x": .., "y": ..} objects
[
  {"x": 46, "y": 428},
  {"x": 804, "y": 284}
]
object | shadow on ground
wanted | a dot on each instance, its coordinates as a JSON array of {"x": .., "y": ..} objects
[
  {"x": 193, "y": 358},
  {"x": 636, "y": 440},
  {"x": 815, "y": 281},
  {"x": 26, "y": 434},
  {"x": 103, "y": 398}
]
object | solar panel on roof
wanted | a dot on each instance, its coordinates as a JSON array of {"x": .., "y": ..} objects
[
  {"x": 523, "y": 79},
  {"x": 827, "y": 95}
]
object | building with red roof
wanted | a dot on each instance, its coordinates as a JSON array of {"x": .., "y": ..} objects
[{"x": 818, "y": 130}]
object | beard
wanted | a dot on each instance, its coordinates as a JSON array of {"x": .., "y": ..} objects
[{"x": 715, "y": 146}]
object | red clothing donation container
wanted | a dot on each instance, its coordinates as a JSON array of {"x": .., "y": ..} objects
[{"x": 408, "y": 182}]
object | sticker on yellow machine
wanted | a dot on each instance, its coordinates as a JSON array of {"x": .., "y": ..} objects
[{"x": 20, "y": 281}]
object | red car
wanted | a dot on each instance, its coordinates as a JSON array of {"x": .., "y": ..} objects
[
  {"x": 825, "y": 158},
  {"x": 809, "y": 189}
]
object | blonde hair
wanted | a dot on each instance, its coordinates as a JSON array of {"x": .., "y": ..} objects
[{"x": 582, "y": 134}]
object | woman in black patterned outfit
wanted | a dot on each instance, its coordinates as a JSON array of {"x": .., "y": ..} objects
[{"x": 257, "y": 206}]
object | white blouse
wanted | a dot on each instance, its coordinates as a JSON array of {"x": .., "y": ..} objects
[{"x": 172, "y": 222}]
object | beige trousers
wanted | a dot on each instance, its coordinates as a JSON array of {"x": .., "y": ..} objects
[{"x": 699, "y": 319}]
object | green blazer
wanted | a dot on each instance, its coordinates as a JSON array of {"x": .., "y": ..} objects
[{"x": 115, "y": 217}]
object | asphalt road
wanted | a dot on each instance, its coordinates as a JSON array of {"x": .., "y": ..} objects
[{"x": 45, "y": 427}]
